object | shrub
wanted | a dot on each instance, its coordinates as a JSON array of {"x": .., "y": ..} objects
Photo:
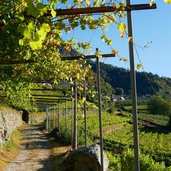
[
  {"x": 146, "y": 163},
  {"x": 158, "y": 105}
]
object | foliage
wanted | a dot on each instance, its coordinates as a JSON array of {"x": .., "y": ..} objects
[
  {"x": 114, "y": 161},
  {"x": 146, "y": 82},
  {"x": 119, "y": 91},
  {"x": 154, "y": 143},
  {"x": 158, "y": 105},
  {"x": 17, "y": 95},
  {"x": 111, "y": 109},
  {"x": 27, "y": 33},
  {"x": 147, "y": 163},
  {"x": 167, "y": 1}
]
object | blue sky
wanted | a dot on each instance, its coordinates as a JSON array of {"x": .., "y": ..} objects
[{"x": 152, "y": 26}]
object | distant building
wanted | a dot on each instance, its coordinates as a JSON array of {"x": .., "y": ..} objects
[{"x": 115, "y": 98}]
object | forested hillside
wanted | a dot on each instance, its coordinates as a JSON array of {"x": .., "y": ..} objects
[{"x": 147, "y": 83}]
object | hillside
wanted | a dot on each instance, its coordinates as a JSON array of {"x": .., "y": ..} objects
[{"x": 147, "y": 83}]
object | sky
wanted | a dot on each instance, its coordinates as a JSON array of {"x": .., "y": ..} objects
[{"x": 151, "y": 29}]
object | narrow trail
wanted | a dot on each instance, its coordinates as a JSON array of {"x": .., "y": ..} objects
[{"x": 35, "y": 154}]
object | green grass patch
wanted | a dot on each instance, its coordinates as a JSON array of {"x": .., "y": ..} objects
[
  {"x": 59, "y": 153},
  {"x": 10, "y": 149},
  {"x": 157, "y": 119}
]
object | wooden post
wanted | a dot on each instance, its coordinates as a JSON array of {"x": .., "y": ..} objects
[
  {"x": 72, "y": 120},
  {"x": 75, "y": 118},
  {"x": 100, "y": 114},
  {"x": 59, "y": 131},
  {"x": 65, "y": 115},
  {"x": 47, "y": 119},
  {"x": 133, "y": 92},
  {"x": 85, "y": 114},
  {"x": 54, "y": 118}
]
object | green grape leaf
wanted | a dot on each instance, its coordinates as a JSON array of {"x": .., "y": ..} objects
[
  {"x": 21, "y": 42},
  {"x": 139, "y": 66},
  {"x": 115, "y": 51},
  {"x": 28, "y": 30},
  {"x": 35, "y": 45},
  {"x": 83, "y": 27},
  {"x": 64, "y": 1},
  {"x": 123, "y": 59},
  {"x": 27, "y": 56},
  {"x": 20, "y": 17},
  {"x": 27, "y": 33},
  {"x": 21, "y": 28},
  {"x": 41, "y": 8},
  {"x": 46, "y": 27},
  {"x": 53, "y": 13},
  {"x": 122, "y": 27},
  {"x": 167, "y": 1},
  {"x": 96, "y": 2},
  {"x": 103, "y": 37},
  {"x": 32, "y": 10},
  {"x": 78, "y": 75},
  {"x": 41, "y": 34},
  {"x": 30, "y": 26}
]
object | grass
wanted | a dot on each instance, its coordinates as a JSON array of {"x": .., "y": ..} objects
[
  {"x": 157, "y": 119},
  {"x": 140, "y": 107},
  {"x": 11, "y": 149},
  {"x": 144, "y": 115},
  {"x": 59, "y": 152}
]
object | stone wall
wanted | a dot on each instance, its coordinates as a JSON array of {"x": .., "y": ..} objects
[
  {"x": 86, "y": 159},
  {"x": 10, "y": 119}
]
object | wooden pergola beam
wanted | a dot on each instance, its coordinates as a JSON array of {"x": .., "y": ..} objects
[
  {"x": 86, "y": 57},
  {"x": 102, "y": 9},
  {"x": 39, "y": 89},
  {"x": 51, "y": 99},
  {"x": 93, "y": 10},
  {"x": 47, "y": 95},
  {"x": 13, "y": 62},
  {"x": 81, "y": 57},
  {"x": 48, "y": 100}
]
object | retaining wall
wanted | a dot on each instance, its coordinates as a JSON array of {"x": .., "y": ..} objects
[{"x": 10, "y": 119}]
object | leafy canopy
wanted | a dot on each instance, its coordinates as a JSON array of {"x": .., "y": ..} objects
[{"x": 27, "y": 34}]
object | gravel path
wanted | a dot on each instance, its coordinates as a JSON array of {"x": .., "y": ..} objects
[{"x": 35, "y": 154}]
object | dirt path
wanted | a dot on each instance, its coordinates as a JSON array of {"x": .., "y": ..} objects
[{"x": 35, "y": 154}]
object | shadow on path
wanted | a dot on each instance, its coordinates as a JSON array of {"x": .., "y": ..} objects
[{"x": 36, "y": 154}]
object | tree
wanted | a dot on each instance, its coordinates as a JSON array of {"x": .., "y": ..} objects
[
  {"x": 157, "y": 105},
  {"x": 119, "y": 91}
]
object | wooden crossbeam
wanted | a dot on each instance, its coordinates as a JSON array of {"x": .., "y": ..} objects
[
  {"x": 39, "y": 89},
  {"x": 13, "y": 62},
  {"x": 8, "y": 62},
  {"x": 51, "y": 102},
  {"x": 46, "y": 95},
  {"x": 86, "y": 57},
  {"x": 40, "y": 97},
  {"x": 52, "y": 99},
  {"x": 102, "y": 9},
  {"x": 91, "y": 10}
]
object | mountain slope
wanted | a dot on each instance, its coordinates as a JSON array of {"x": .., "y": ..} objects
[{"x": 147, "y": 83}]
